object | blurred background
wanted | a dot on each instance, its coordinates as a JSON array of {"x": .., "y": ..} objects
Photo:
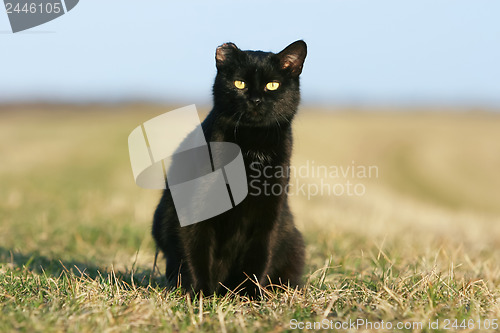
[
  {"x": 361, "y": 53},
  {"x": 411, "y": 87}
]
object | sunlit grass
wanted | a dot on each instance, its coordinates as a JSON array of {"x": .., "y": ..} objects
[{"x": 421, "y": 244}]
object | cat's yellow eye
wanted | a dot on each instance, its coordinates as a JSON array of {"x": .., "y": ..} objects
[
  {"x": 272, "y": 85},
  {"x": 239, "y": 84}
]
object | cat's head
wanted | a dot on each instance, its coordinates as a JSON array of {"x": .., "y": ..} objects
[{"x": 258, "y": 88}]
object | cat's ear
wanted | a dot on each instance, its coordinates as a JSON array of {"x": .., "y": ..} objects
[
  {"x": 224, "y": 53},
  {"x": 293, "y": 56}
]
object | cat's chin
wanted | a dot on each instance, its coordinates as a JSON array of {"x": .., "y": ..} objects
[
  {"x": 257, "y": 117},
  {"x": 256, "y": 120}
]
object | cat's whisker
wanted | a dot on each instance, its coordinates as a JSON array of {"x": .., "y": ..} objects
[
  {"x": 279, "y": 127},
  {"x": 236, "y": 126},
  {"x": 288, "y": 121}
]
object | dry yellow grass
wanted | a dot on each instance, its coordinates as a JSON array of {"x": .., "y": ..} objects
[{"x": 421, "y": 244}]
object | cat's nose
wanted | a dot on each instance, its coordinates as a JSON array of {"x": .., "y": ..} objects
[{"x": 256, "y": 100}]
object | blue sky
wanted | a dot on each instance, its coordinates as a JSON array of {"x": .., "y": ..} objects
[{"x": 361, "y": 52}]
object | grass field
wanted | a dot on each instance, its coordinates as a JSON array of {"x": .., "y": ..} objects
[{"x": 418, "y": 250}]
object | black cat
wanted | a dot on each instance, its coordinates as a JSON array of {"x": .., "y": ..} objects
[{"x": 256, "y": 95}]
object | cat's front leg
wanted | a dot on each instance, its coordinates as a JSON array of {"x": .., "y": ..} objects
[
  {"x": 253, "y": 269},
  {"x": 198, "y": 258}
]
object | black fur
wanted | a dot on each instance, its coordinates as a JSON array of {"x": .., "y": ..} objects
[{"x": 257, "y": 238}]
